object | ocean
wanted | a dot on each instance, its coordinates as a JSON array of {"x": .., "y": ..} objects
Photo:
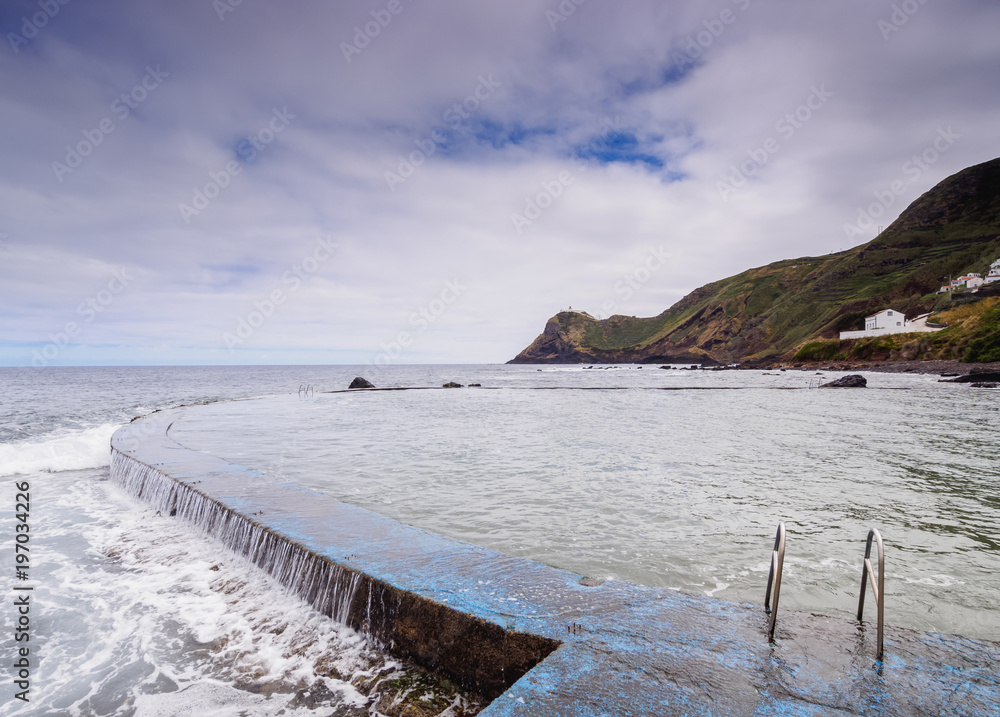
[{"x": 668, "y": 478}]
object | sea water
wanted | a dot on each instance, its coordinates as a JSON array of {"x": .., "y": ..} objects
[
  {"x": 599, "y": 471},
  {"x": 135, "y": 613},
  {"x": 673, "y": 479}
]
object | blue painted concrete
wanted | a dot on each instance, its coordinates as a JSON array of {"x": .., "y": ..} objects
[{"x": 625, "y": 649}]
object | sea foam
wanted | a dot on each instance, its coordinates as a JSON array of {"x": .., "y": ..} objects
[{"x": 66, "y": 450}]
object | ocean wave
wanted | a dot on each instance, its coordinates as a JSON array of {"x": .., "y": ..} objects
[{"x": 64, "y": 451}]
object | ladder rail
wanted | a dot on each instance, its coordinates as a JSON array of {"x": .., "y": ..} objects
[
  {"x": 877, "y": 583},
  {"x": 774, "y": 579}
]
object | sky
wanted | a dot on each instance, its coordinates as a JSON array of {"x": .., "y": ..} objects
[{"x": 405, "y": 181}]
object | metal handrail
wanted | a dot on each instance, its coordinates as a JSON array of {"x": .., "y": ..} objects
[
  {"x": 879, "y": 590},
  {"x": 774, "y": 578}
]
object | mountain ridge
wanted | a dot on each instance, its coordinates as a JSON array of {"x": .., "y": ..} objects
[{"x": 770, "y": 312}]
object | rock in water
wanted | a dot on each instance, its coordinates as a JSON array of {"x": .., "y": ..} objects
[
  {"x": 359, "y": 382},
  {"x": 452, "y": 384},
  {"x": 852, "y": 381},
  {"x": 977, "y": 376}
]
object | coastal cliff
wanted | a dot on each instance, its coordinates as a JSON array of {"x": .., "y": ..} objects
[{"x": 796, "y": 308}]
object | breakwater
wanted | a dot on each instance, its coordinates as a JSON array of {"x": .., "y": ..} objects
[{"x": 540, "y": 638}]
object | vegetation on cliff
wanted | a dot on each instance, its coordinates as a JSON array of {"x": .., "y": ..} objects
[{"x": 797, "y": 307}]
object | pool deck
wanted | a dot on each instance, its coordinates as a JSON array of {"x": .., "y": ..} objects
[{"x": 608, "y": 649}]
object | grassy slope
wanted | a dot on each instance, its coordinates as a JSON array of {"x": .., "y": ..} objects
[
  {"x": 772, "y": 310},
  {"x": 973, "y": 335}
]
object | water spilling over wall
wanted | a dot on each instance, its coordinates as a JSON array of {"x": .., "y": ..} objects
[{"x": 478, "y": 654}]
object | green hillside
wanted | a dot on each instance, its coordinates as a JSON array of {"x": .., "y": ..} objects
[{"x": 770, "y": 312}]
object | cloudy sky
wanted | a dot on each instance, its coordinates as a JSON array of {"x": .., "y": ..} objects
[{"x": 418, "y": 181}]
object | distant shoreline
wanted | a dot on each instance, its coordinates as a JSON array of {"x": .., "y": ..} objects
[{"x": 924, "y": 367}]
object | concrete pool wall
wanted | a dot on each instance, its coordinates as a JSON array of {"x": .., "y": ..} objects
[{"x": 540, "y": 640}]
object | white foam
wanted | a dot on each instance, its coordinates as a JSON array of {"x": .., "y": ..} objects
[
  {"x": 69, "y": 450},
  {"x": 718, "y": 586},
  {"x": 152, "y": 614},
  {"x": 936, "y": 581}
]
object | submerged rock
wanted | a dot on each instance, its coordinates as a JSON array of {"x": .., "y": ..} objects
[
  {"x": 359, "y": 382},
  {"x": 852, "y": 381},
  {"x": 452, "y": 384}
]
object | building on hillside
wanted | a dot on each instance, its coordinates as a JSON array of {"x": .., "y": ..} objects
[
  {"x": 887, "y": 319},
  {"x": 973, "y": 280},
  {"x": 969, "y": 281},
  {"x": 883, "y": 323},
  {"x": 994, "y": 274}
]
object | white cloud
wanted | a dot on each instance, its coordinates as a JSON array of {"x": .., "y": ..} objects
[{"x": 324, "y": 175}]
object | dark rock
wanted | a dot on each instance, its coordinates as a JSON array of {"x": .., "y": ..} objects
[
  {"x": 452, "y": 384},
  {"x": 946, "y": 374},
  {"x": 679, "y": 359},
  {"x": 991, "y": 384},
  {"x": 475, "y": 385},
  {"x": 980, "y": 375},
  {"x": 852, "y": 381},
  {"x": 359, "y": 382}
]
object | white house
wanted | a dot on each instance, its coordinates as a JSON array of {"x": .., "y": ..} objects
[
  {"x": 969, "y": 281},
  {"x": 881, "y": 324},
  {"x": 887, "y": 319},
  {"x": 994, "y": 274}
]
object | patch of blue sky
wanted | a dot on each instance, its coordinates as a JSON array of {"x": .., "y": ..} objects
[
  {"x": 476, "y": 134},
  {"x": 618, "y": 147},
  {"x": 671, "y": 74}
]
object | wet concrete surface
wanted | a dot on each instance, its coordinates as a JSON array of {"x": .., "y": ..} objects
[{"x": 549, "y": 644}]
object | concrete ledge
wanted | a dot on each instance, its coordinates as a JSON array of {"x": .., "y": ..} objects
[
  {"x": 538, "y": 637},
  {"x": 297, "y": 536}
]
